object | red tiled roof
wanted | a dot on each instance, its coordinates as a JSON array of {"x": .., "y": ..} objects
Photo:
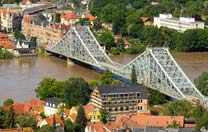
[
  {"x": 89, "y": 108},
  {"x": 90, "y": 17},
  {"x": 50, "y": 120},
  {"x": 36, "y": 102},
  {"x": 5, "y": 42},
  {"x": 138, "y": 120},
  {"x": 22, "y": 107},
  {"x": 96, "y": 127},
  {"x": 71, "y": 15}
]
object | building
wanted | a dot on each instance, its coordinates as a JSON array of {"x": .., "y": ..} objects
[
  {"x": 120, "y": 99},
  {"x": 135, "y": 122},
  {"x": 10, "y": 18},
  {"x": 52, "y": 106},
  {"x": 6, "y": 42},
  {"x": 35, "y": 26},
  {"x": 92, "y": 113},
  {"x": 180, "y": 24},
  {"x": 70, "y": 18}
]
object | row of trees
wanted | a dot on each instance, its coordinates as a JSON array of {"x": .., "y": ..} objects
[
  {"x": 190, "y": 111},
  {"x": 73, "y": 91}
]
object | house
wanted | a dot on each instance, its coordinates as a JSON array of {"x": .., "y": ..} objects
[
  {"x": 6, "y": 42},
  {"x": 92, "y": 113},
  {"x": 136, "y": 122},
  {"x": 70, "y": 18},
  {"x": 51, "y": 121},
  {"x": 52, "y": 106},
  {"x": 22, "y": 108},
  {"x": 180, "y": 24},
  {"x": 10, "y": 18},
  {"x": 120, "y": 99}
]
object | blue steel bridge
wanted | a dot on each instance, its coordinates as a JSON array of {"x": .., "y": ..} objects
[{"x": 155, "y": 68}]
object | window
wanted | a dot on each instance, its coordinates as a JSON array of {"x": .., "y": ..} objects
[{"x": 139, "y": 107}]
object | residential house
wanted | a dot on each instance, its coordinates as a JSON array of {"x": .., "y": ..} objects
[
  {"x": 135, "y": 122},
  {"x": 92, "y": 113},
  {"x": 120, "y": 99},
  {"x": 6, "y": 42},
  {"x": 52, "y": 106},
  {"x": 70, "y": 18}
]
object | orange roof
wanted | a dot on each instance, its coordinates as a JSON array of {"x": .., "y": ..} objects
[
  {"x": 89, "y": 108},
  {"x": 50, "y": 120},
  {"x": 96, "y": 127},
  {"x": 158, "y": 121},
  {"x": 70, "y": 15},
  {"x": 5, "y": 42},
  {"x": 90, "y": 17},
  {"x": 138, "y": 120},
  {"x": 22, "y": 107},
  {"x": 36, "y": 102}
]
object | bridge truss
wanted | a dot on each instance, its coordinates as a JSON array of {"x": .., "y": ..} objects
[{"x": 155, "y": 68}]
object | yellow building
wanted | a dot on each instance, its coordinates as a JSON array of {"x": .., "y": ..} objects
[{"x": 92, "y": 113}]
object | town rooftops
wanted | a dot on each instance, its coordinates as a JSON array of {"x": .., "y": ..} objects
[
  {"x": 121, "y": 88},
  {"x": 53, "y": 102},
  {"x": 70, "y": 15}
]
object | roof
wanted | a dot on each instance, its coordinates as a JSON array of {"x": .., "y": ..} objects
[
  {"x": 53, "y": 100},
  {"x": 96, "y": 127},
  {"x": 70, "y": 15},
  {"x": 22, "y": 107},
  {"x": 39, "y": 19},
  {"x": 55, "y": 118},
  {"x": 121, "y": 88},
  {"x": 90, "y": 17},
  {"x": 5, "y": 42},
  {"x": 89, "y": 108},
  {"x": 143, "y": 121}
]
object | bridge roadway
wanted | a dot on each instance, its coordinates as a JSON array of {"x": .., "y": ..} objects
[{"x": 155, "y": 67}]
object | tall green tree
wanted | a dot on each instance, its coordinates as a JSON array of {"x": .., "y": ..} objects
[
  {"x": 202, "y": 83},
  {"x": 133, "y": 75},
  {"x": 81, "y": 120},
  {"x": 76, "y": 92},
  {"x": 68, "y": 126},
  {"x": 107, "y": 39}
]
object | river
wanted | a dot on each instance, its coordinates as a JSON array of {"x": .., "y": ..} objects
[{"x": 20, "y": 76}]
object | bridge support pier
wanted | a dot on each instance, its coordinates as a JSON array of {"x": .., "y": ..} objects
[{"x": 69, "y": 62}]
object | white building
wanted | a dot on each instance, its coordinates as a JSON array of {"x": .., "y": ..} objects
[
  {"x": 52, "y": 106},
  {"x": 180, "y": 24}
]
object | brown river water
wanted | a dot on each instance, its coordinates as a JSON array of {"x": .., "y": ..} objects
[{"x": 20, "y": 76}]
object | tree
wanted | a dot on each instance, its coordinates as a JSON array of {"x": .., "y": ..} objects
[
  {"x": 68, "y": 126},
  {"x": 107, "y": 39},
  {"x": 133, "y": 75},
  {"x": 103, "y": 116},
  {"x": 178, "y": 108},
  {"x": 81, "y": 120},
  {"x": 202, "y": 83},
  {"x": 49, "y": 87},
  {"x": 19, "y": 36},
  {"x": 174, "y": 125},
  {"x": 8, "y": 102},
  {"x": 76, "y": 92},
  {"x": 26, "y": 121},
  {"x": 46, "y": 128},
  {"x": 156, "y": 98}
]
